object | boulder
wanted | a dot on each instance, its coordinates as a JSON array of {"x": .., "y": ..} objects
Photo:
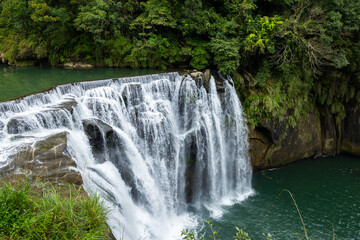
[
  {"x": 274, "y": 143},
  {"x": 99, "y": 133},
  {"x": 351, "y": 131},
  {"x": 207, "y": 76},
  {"x": 78, "y": 65},
  {"x": 195, "y": 75},
  {"x": 47, "y": 158},
  {"x": 18, "y": 125}
]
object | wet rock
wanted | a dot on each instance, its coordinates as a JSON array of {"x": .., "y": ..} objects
[
  {"x": 351, "y": 131},
  {"x": 78, "y": 65},
  {"x": 18, "y": 125},
  {"x": 47, "y": 158},
  {"x": 132, "y": 94},
  {"x": 191, "y": 150},
  {"x": 108, "y": 146},
  {"x": 48, "y": 118},
  {"x": 2, "y": 125},
  {"x": 99, "y": 133},
  {"x": 220, "y": 86},
  {"x": 275, "y": 144},
  {"x": 207, "y": 76},
  {"x": 68, "y": 105}
]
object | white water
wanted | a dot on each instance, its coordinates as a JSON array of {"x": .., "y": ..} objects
[{"x": 170, "y": 146}]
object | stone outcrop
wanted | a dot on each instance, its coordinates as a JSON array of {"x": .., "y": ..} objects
[
  {"x": 98, "y": 134},
  {"x": 47, "y": 159},
  {"x": 274, "y": 143},
  {"x": 78, "y": 65},
  {"x": 196, "y": 74}
]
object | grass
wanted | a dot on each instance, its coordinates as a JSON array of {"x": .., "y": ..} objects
[{"x": 39, "y": 210}]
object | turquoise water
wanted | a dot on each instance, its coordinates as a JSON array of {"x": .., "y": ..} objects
[
  {"x": 325, "y": 189},
  {"x": 19, "y": 81}
]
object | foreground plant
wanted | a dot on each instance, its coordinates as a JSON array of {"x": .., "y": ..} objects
[
  {"x": 239, "y": 235},
  {"x": 42, "y": 211},
  {"x": 242, "y": 235}
]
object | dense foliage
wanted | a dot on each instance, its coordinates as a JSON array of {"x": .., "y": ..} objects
[
  {"x": 286, "y": 55},
  {"x": 39, "y": 211}
]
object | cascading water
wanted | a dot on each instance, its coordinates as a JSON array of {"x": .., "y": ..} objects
[{"x": 158, "y": 148}]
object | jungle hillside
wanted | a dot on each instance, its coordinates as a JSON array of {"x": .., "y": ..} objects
[{"x": 285, "y": 56}]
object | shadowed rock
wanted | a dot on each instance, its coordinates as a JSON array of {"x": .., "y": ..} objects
[
  {"x": 97, "y": 132},
  {"x": 351, "y": 131}
]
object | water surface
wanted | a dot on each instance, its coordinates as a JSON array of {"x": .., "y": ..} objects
[
  {"x": 20, "y": 81},
  {"x": 325, "y": 189}
]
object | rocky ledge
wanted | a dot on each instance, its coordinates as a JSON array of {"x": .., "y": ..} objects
[{"x": 47, "y": 159}]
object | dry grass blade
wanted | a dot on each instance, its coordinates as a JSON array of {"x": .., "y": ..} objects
[{"x": 298, "y": 210}]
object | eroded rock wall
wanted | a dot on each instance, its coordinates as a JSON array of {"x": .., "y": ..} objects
[{"x": 274, "y": 144}]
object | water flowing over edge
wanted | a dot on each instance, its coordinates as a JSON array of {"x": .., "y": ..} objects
[{"x": 160, "y": 149}]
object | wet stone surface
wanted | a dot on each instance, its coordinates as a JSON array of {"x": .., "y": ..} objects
[{"x": 47, "y": 159}]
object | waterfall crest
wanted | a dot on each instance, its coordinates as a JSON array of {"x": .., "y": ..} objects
[{"x": 158, "y": 148}]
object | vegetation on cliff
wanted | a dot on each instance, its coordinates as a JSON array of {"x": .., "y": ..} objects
[
  {"x": 286, "y": 56},
  {"x": 38, "y": 210}
]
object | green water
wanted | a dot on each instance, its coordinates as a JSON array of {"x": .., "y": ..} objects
[
  {"x": 325, "y": 189},
  {"x": 17, "y": 81}
]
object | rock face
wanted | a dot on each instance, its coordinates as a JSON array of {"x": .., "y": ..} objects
[
  {"x": 47, "y": 159},
  {"x": 274, "y": 144},
  {"x": 329, "y": 134},
  {"x": 351, "y": 131}
]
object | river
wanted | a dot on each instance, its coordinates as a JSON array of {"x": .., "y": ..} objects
[{"x": 326, "y": 190}]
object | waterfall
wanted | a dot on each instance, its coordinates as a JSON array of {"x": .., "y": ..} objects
[{"x": 160, "y": 149}]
